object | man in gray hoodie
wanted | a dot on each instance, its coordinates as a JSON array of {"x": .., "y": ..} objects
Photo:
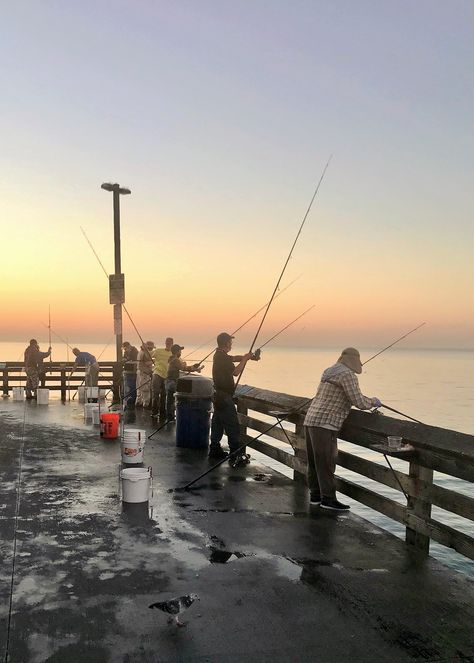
[{"x": 337, "y": 393}]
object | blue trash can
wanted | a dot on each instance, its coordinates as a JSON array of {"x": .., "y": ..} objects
[{"x": 193, "y": 411}]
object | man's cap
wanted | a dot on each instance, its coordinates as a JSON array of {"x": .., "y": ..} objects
[
  {"x": 125, "y": 344},
  {"x": 175, "y": 348},
  {"x": 150, "y": 344},
  {"x": 224, "y": 337},
  {"x": 33, "y": 341}
]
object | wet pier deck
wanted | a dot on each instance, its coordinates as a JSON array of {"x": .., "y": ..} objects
[{"x": 276, "y": 580}]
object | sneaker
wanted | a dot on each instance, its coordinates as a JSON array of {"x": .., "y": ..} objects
[
  {"x": 217, "y": 454},
  {"x": 239, "y": 461},
  {"x": 315, "y": 498},
  {"x": 334, "y": 505}
]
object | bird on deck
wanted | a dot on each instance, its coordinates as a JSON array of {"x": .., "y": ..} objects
[{"x": 174, "y": 607}]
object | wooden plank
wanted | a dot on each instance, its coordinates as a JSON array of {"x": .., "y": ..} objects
[
  {"x": 379, "y": 503},
  {"x": 437, "y": 495},
  {"x": 447, "y": 536}
]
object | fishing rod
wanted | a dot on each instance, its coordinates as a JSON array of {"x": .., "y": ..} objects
[
  {"x": 286, "y": 262},
  {"x": 49, "y": 329},
  {"x": 284, "y": 328},
  {"x": 243, "y": 324},
  {"x": 392, "y": 344},
  {"x": 398, "y": 412}
]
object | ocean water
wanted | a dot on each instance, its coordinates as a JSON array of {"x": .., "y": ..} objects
[{"x": 433, "y": 386}]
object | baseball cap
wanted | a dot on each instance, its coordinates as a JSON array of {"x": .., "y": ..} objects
[{"x": 175, "y": 348}]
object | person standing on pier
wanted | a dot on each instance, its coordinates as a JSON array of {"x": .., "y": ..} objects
[
  {"x": 130, "y": 363},
  {"x": 91, "y": 365},
  {"x": 337, "y": 392},
  {"x": 224, "y": 418},
  {"x": 33, "y": 364},
  {"x": 160, "y": 371},
  {"x": 145, "y": 375},
  {"x": 175, "y": 365}
]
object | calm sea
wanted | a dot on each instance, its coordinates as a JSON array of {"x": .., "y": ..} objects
[{"x": 433, "y": 386}]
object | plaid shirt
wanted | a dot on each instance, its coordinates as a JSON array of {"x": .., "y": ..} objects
[{"x": 337, "y": 392}]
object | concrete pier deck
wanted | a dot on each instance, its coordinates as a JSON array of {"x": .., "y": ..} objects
[{"x": 277, "y": 581}]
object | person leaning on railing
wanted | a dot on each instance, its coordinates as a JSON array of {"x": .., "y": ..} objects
[
  {"x": 91, "y": 367},
  {"x": 338, "y": 391},
  {"x": 33, "y": 363},
  {"x": 175, "y": 365}
]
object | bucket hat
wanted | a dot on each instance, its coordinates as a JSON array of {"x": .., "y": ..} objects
[{"x": 350, "y": 357}]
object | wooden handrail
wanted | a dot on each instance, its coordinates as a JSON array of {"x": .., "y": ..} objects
[{"x": 435, "y": 449}]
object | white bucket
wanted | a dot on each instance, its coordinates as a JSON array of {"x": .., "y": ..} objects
[
  {"x": 89, "y": 410},
  {"x": 42, "y": 396},
  {"x": 18, "y": 393},
  {"x": 134, "y": 435},
  {"x": 92, "y": 392},
  {"x": 132, "y": 452},
  {"x": 96, "y": 416},
  {"x": 81, "y": 394},
  {"x": 136, "y": 484}
]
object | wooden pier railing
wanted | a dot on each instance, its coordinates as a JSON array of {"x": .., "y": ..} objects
[
  {"x": 12, "y": 374},
  {"x": 434, "y": 450}
]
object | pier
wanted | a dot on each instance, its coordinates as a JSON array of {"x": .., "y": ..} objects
[{"x": 277, "y": 580}]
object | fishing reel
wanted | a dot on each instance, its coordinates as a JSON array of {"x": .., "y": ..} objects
[{"x": 256, "y": 355}]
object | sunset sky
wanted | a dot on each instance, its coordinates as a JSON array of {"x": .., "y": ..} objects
[{"x": 220, "y": 117}]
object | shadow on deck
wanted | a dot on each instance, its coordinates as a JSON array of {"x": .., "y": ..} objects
[{"x": 276, "y": 580}]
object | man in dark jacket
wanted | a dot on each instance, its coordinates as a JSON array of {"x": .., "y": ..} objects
[
  {"x": 225, "y": 417},
  {"x": 33, "y": 363},
  {"x": 130, "y": 363}
]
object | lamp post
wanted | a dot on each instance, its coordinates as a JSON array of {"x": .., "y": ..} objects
[{"x": 117, "y": 282}]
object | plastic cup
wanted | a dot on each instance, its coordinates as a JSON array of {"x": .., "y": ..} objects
[{"x": 394, "y": 442}]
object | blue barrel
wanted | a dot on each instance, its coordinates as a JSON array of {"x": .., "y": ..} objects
[{"x": 193, "y": 412}]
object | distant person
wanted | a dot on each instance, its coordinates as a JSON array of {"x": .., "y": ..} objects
[
  {"x": 160, "y": 371},
  {"x": 91, "y": 365},
  {"x": 145, "y": 375},
  {"x": 337, "y": 392},
  {"x": 129, "y": 363},
  {"x": 224, "y": 418},
  {"x": 175, "y": 365},
  {"x": 33, "y": 364}
]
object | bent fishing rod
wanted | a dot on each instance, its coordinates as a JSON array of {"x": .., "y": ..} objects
[
  {"x": 242, "y": 325},
  {"x": 284, "y": 415},
  {"x": 287, "y": 261}
]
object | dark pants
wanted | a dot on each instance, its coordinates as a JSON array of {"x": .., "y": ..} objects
[
  {"x": 321, "y": 447},
  {"x": 130, "y": 389},
  {"x": 170, "y": 392},
  {"x": 224, "y": 420},
  {"x": 159, "y": 396}
]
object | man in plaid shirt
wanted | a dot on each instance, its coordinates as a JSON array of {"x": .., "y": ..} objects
[{"x": 337, "y": 393}]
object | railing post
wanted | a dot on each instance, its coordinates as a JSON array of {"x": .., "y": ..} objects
[
  {"x": 242, "y": 409},
  {"x": 419, "y": 508},
  {"x": 117, "y": 382},
  {"x": 298, "y": 476},
  {"x": 5, "y": 381},
  {"x": 63, "y": 382}
]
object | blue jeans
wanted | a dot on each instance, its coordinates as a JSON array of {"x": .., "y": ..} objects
[
  {"x": 225, "y": 420},
  {"x": 130, "y": 389}
]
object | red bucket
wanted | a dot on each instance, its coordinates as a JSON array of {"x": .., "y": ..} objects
[{"x": 109, "y": 425}]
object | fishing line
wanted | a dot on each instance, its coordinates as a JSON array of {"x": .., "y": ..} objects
[
  {"x": 286, "y": 327},
  {"x": 391, "y": 344},
  {"x": 242, "y": 325},
  {"x": 15, "y": 532},
  {"x": 286, "y": 262}
]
